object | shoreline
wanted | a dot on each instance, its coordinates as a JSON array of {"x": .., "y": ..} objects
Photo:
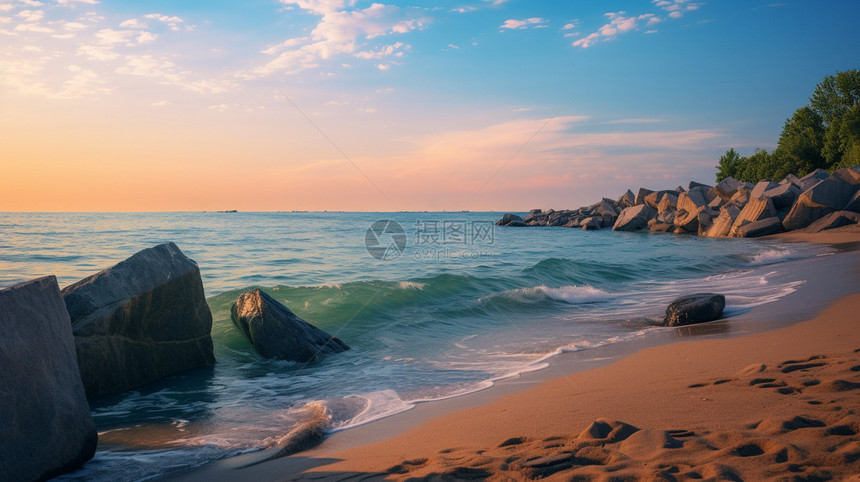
[{"x": 351, "y": 447}]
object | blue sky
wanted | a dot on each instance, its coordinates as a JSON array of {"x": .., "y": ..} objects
[{"x": 333, "y": 104}]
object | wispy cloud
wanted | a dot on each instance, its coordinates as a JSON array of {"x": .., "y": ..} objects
[
  {"x": 621, "y": 23},
  {"x": 514, "y": 24}
]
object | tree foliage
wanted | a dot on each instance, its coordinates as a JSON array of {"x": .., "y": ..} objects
[{"x": 824, "y": 134}]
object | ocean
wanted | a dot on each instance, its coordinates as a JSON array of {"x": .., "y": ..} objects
[{"x": 434, "y": 305}]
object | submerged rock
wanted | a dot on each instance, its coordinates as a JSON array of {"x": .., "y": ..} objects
[
  {"x": 276, "y": 332},
  {"x": 695, "y": 308},
  {"x": 140, "y": 320},
  {"x": 47, "y": 428}
]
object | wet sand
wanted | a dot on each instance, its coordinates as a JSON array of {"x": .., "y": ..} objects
[{"x": 727, "y": 402}]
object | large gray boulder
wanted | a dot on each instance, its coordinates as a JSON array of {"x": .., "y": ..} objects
[
  {"x": 763, "y": 186},
  {"x": 509, "y": 219},
  {"x": 46, "y": 428},
  {"x": 755, "y": 210},
  {"x": 783, "y": 196},
  {"x": 626, "y": 200},
  {"x": 834, "y": 220},
  {"x": 854, "y": 203},
  {"x": 729, "y": 186},
  {"x": 762, "y": 227},
  {"x": 641, "y": 195},
  {"x": 695, "y": 308},
  {"x": 276, "y": 332},
  {"x": 722, "y": 224},
  {"x": 140, "y": 320},
  {"x": 831, "y": 194},
  {"x": 848, "y": 175},
  {"x": 634, "y": 218}
]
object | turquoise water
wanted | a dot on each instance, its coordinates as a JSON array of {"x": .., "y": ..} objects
[{"x": 454, "y": 304}]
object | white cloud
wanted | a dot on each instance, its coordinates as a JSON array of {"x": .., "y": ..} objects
[
  {"x": 219, "y": 107},
  {"x": 133, "y": 23},
  {"x": 621, "y": 23},
  {"x": 160, "y": 103},
  {"x": 75, "y": 26},
  {"x": 172, "y": 22},
  {"x": 383, "y": 67},
  {"x": 515, "y": 24},
  {"x": 393, "y": 50},
  {"x": 338, "y": 32},
  {"x": 676, "y": 8},
  {"x": 109, "y": 36},
  {"x": 70, "y": 2}
]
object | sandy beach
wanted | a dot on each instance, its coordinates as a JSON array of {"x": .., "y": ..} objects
[{"x": 724, "y": 404}]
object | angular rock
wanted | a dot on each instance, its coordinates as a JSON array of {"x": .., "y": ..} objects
[
  {"x": 762, "y": 227},
  {"x": 666, "y": 217},
  {"x": 668, "y": 203},
  {"x": 641, "y": 195},
  {"x": 510, "y": 219},
  {"x": 689, "y": 221},
  {"x": 558, "y": 218},
  {"x": 276, "y": 332},
  {"x": 755, "y": 210},
  {"x": 680, "y": 189},
  {"x": 791, "y": 179},
  {"x": 695, "y": 198},
  {"x": 741, "y": 197},
  {"x": 706, "y": 219},
  {"x": 831, "y": 194},
  {"x": 722, "y": 224},
  {"x": 728, "y": 187},
  {"x": 848, "y": 175},
  {"x": 695, "y": 308},
  {"x": 628, "y": 199},
  {"x": 532, "y": 215},
  {"x": 719, "y": 202},
  {"x": 694, "y": 184},
  {"x": 656, "y": 227},
  {"x": 140, "y": 320},
  {"x": 783, "y": 196},
  {"x": 47, "y": 428},
  {"x": 834, "y": 220},
  {"x": 654, "y": 198},
  {"x": 763, "y": 186},
  {"x": 818, "y": 174},
  {"x": 592, "y": 223},
  {"x": 574, "y": 222},
  {"x": 634, "y": 218},
  {"x": 854, "y": 203},
  {"x": 605, "y": 208}
]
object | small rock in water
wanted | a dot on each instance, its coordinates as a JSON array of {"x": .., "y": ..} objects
[
  {"x": 276, "y": 332},
  {"x": 695, "y": 308}
]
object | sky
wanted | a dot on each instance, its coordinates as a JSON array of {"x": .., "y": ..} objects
[{"x": 501, "y": 105}]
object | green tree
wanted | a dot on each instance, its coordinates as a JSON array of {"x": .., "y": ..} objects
[
  {"x": 848, "y": 137},
  {"x": 730, "y": 165},
  {"x": 825, "y": 134},
  {"x": 836, "y": 95},
  {"x": 800, "y": 145},
  {"x": 835, "y": 100}
]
